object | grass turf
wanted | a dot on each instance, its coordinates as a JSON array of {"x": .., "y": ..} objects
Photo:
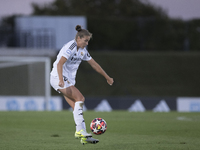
[{"x": 126, "y": 130}]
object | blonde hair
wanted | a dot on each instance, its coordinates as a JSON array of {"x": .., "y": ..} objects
[{"x": 82, "y": 32}]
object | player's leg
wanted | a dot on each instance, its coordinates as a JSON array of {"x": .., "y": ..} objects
[
  {"x": 70, "y": 102},
  {"x": 73, "y": 95},
  {"x": 76, "y": 100}
]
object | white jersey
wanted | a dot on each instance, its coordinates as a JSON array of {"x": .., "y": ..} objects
[{"x": 74, "y": 58}]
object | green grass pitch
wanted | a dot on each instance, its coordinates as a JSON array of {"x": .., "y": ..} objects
[{"x": 126, "y": 131}]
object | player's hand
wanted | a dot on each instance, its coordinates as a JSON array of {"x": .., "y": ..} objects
[
  {"x": 61, "y": 83},
  {"x": 110, "y": 81}
]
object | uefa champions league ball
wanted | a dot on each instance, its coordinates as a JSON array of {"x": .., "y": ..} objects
[{"x": 98, "y": 126}]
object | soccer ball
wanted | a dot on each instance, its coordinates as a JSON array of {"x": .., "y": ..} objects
[{"x": 98, "y": 126}]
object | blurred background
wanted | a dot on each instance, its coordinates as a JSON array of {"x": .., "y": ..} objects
[{"x": 150, "y": 47}]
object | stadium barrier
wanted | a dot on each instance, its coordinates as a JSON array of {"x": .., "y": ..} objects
[
  {"x": 141, "y": 104},
  {"x": 103, "y": 104},
  {"x": 188, "y": 104},
  {"x": 29, "y": 103}
]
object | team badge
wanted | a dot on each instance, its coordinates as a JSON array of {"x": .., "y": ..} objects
[
  {"x": 68, "y": 52},
  {"x": 82, "y": 54}
]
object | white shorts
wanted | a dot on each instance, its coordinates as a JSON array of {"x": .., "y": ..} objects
[{"x": 54, "y": 81}]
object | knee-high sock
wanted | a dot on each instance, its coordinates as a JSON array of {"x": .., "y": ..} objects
[{"x": 78, "y": 116}]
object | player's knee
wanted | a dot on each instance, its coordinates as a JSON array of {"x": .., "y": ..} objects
[{"x": 82, "y": 99}]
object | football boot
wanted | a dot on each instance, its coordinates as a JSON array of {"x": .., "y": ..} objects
[
  {"x": 89, "y": 140},
  {"x": 82, "y": 133}
]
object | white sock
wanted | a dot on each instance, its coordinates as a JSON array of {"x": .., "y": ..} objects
[
  {"x": 83, "y": 125},
  {"x": 78, "y": 115}
]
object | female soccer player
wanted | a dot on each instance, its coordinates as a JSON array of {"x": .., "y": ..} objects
[{"x": 63, "y": 78}]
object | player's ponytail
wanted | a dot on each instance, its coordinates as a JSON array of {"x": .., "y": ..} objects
[
  {"x": 78, "y": 28},
  {"x": 82, "y": 32}
]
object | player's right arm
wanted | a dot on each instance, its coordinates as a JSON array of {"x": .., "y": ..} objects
[{"x": 60, "y": 70}]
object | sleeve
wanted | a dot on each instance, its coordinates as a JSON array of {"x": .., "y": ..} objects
[
  {"x": 66, "y": 52},
  {"x": 87, "y": 56}
]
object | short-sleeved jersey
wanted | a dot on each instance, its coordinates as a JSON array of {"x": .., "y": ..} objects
[{"x": 74, "y": 58}]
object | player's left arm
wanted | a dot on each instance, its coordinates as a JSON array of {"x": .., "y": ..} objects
[{"x": 98, "y": 69}]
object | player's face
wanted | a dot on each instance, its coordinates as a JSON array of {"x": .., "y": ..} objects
[{"x": 83, "y": 42}]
